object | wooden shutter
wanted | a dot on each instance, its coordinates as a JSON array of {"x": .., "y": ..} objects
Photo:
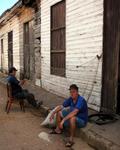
[{"x": 58, "y": 39}]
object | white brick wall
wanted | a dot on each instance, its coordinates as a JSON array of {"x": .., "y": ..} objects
[
  {"x": 15, "y": 24},
  {"x": 84, "y": 28},
  {"x": 11, "y": 25}
]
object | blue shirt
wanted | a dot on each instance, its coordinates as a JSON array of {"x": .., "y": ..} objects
[
  {"x": 16, "y": 88},
  {"x": 80, "y": 104}
]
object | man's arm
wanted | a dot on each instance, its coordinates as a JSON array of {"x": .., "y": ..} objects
[
  {"x": 71, "y": 114},
  {"x": 21, "y": 82},
  {"x": 57, "y": 109},
  {"x": 66, "y": 103},
  {"x": 14, "y": 80}
]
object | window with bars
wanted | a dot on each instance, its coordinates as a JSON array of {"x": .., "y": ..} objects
[{"x": 58, "y": 29}]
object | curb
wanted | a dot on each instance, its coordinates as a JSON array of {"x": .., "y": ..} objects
[
  {"x": 93, "y": 139},
  {"x": 97, "y": 141}
]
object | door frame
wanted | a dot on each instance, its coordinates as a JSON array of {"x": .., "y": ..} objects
[{"x": 111, "y": 45}]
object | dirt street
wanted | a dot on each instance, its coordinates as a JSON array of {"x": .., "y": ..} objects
[{"x": 19, "y": 130}]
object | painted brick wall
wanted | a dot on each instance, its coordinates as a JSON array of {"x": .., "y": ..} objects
[
  {"x": 11, "y": 25},
  {"x": 16, "y": 25}
]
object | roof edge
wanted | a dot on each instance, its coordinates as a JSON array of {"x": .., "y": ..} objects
[{"x": 16, "y": 5}]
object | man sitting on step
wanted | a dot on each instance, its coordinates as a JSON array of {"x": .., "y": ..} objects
[
  {"x": 17, "y": 90},
  {"x": 72, "y": 113}
]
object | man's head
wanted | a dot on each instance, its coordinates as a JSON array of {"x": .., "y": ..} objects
[
  {"x": 73, "y": 91},
  {"x": 12, "y": 70}
]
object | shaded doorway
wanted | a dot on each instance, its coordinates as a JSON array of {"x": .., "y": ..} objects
[
  {"x": 10, "y": 49},
  {"x": 2, "y": 54}
]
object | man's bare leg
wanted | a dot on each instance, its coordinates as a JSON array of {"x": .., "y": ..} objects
[
  {"x": 58, "y": 120},
  {"x": 72, "y": 131},
  {"x": 72, "y": 128}
]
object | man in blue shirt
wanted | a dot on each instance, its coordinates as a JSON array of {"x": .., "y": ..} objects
[
  {"x": 73, "y": 113},
  {"x": 17, "y": 90}
]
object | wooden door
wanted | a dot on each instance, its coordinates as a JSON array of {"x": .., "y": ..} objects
[
  {"x": 111, "y": 42},
  {"x": 29, "y": 58},
  {"x": 10, "y": 49},
  {"x": 32, "y": 52},
  {"x": 2, "y": 54},
  {"x": 26, "y": 51}
]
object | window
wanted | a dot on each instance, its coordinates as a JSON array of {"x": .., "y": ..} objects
[{"x": 58, "y": 39}]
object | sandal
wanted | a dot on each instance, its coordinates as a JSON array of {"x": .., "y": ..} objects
[
  {"x": 54, "y": 132},
  {"x": 69, "y": 144}
]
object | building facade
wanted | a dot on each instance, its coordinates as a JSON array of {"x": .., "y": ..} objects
[
  {"x": 77, "y": 57},
  {"x": 20, "y": 40},
  {"x": 60, "y": 42}
]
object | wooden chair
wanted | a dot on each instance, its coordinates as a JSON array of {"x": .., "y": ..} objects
[{"x": 11, "y": 100}]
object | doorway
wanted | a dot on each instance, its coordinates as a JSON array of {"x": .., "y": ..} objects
[
  {"x": 26, "y": 51},
  {"x": 2, "y": 54},
  {"x": 29, "y": 55},
  {"x": 10, "y": 49}
]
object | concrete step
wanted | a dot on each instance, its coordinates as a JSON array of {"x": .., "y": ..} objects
[{"x": 89, "y": 135}]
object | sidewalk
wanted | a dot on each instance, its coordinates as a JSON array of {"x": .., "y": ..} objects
[{"x": 105, "y": 137}]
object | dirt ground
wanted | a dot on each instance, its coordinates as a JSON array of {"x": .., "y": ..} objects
[{"x": 19, "y": 130}]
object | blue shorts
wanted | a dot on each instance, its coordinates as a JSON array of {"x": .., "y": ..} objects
[{"x": 79, "y": 122}]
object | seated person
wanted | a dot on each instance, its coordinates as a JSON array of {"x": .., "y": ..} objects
[
  {"x": 17, "y": 90},
  {"x": 74, "y": 116}
]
